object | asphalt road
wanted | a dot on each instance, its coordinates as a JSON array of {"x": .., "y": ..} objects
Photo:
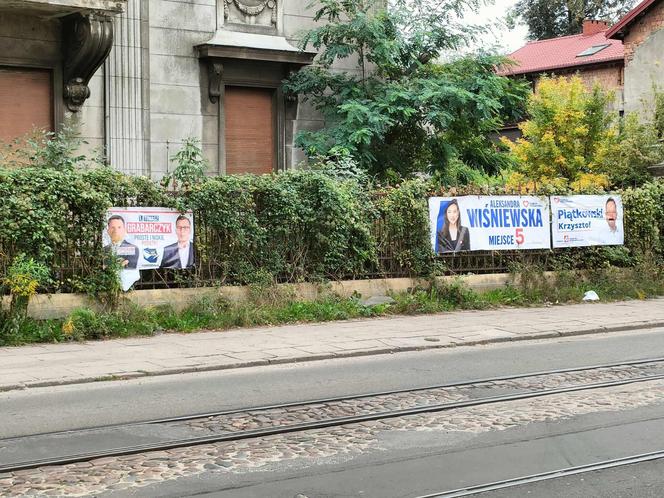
[
  {"x": 643, "y": 480},
  {"x": 78, "y": 406},
  {"x": 398, "y": 463}
]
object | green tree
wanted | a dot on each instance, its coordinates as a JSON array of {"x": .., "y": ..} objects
[
  {"x": 567, "y": 138},
  {"x": 552, "y": 18},
  {"x": 636, "y": 148},
  {"x": 639, "y": 145},
  {"x": 400, "y": 111}
]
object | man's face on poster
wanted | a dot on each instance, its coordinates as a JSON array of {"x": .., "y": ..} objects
[
  {"x": 183, "y": 231},
  {"x": 116, "y": 230},
  {"x": 611, "y": 214}
]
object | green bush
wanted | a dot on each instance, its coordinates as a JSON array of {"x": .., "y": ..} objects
[
  {"x": 644, "y": 219},
  {"x": 295, "y": 226},
  {"x": 312, "y": 225},
  {"x": 85, "y": 324},
  {"x": 24, "y": 277},
  {"x": 404, "y": 235}
]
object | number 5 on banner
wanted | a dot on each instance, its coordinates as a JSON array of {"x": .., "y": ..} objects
[{"x": 520, "y": 239}]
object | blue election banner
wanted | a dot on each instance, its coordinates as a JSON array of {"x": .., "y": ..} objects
[
  {"x": 587, "y": 220},
  {"x": 474, "y": 223}
]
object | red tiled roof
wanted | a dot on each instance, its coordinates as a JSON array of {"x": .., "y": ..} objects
[
  {"x": 561, "y": 53},
  {"x": 618, "y": 29}
]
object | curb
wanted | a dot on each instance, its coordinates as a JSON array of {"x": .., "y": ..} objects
[{"x": 328, "y": 356}]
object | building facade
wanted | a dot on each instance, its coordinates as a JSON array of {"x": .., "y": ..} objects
[
  {"x": 137, "y": 77},
  {"x": 590, "y": 55},
  {"x": 641, "y": 31}
]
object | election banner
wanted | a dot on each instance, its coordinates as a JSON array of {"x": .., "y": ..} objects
[
  {"x": 147, "y": 238},
  {"x": 587, "y": 220},
  {"x": 473, "y": 223}
]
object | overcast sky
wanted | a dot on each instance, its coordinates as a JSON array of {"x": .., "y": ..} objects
[{"x": 507, "y": 41}]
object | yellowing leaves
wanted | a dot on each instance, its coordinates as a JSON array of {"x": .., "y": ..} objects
[{"x": 565, "y": 139}]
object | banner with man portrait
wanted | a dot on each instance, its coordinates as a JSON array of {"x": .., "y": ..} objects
[
  {"x": 587, "y": 220},
  {"x": 147, "y": 238},
  {"x": 473, "y": 223}
]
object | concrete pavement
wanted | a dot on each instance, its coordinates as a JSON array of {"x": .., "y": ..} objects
[{"x": 55, "y": 364}]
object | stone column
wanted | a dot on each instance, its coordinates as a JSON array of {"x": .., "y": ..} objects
[{"x": 127, "y": 73}]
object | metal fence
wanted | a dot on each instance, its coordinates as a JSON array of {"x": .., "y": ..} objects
[
  {"x": 206, "y": 273},
  {"x": 75, "y": 263}
]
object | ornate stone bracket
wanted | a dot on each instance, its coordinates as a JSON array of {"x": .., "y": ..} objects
[
  {"x": 88, "y": 41},
  {"x": 291, "y": 100},
  {"x": 252, "y": 11},
  {"x": 215, "y": 76}
]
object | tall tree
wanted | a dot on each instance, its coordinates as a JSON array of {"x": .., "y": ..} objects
[
  {"x": 399, "y": 110},
  {"x": 552, "y": 18}
]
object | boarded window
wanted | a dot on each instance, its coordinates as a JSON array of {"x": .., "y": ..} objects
[
  {"x": 26, "y": 102},
  {"x": 249, "y": 130}
]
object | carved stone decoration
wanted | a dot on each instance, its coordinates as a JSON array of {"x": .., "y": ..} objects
[
  {"x": 291, "y": 99},
  {"x": 251, "y": 9},
  {"x": 88, "y": 40},
  {"x": 215, "y": 76}
]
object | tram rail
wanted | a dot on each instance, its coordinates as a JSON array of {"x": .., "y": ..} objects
[
  {"x": 545, "y": 476},
  {"x": 628, "y": 372}
]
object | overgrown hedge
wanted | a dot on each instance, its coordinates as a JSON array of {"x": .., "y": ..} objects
[
  {"x": 297, "y": 226},
  {"x": 294, "y": 226},
  {"x": 644, "y": 220}
]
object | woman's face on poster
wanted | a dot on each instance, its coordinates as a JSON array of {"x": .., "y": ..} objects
[{"x": 452, "y": 214}]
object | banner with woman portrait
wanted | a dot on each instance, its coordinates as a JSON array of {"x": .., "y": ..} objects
[
  {"x": 587, "y": 220},
  {"x": 474, "y": 223}
]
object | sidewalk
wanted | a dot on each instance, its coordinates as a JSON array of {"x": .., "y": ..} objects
[{"x": 53, "y": 364}]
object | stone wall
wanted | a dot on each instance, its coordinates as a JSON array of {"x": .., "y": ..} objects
[
  {"x": 179, "y": 106},
  {"x": 60, "y": 305}
]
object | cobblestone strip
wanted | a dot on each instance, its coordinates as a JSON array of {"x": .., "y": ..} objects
[
  {"x": 279, "y": 417},
  {"x": 108, "y": 474}
]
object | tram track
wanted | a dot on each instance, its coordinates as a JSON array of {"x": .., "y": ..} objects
[
  {"x": 228, "y": 425},
  {"x": 545, "y": 476}
]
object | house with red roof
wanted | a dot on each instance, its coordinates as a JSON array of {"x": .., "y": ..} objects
[
  {"x": 641, "y": 31},
  {"x": 591, "y": 55}
]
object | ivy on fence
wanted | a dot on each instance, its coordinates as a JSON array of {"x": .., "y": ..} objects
[{"x": 291, "y": 227}]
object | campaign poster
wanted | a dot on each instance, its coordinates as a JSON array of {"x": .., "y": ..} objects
[
  {"x": 148, "y": 238},
  {"x": 474, "y": 223},
  {"x": 587, "y": 220}
]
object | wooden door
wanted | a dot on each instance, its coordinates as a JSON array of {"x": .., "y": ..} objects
[
  {"x": 26, "y": 102},
  {"x": 249, "y": 130}
]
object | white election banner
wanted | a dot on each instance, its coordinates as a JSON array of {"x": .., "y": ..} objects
[
  {"x": 587, "y": 220},
  {"x": 474, "y": 223},
  {"x": 149, "y": 237}
]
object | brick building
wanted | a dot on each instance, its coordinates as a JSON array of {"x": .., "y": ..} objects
[
  {"x": 642, "y": 35},
  {"x": 590, "y": 55}
]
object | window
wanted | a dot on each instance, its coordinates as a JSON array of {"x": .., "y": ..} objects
[
  {"x": 26, "y": 100},
  {"x": 249, "y": 130},
  {"x": 593, "y": 50}
]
